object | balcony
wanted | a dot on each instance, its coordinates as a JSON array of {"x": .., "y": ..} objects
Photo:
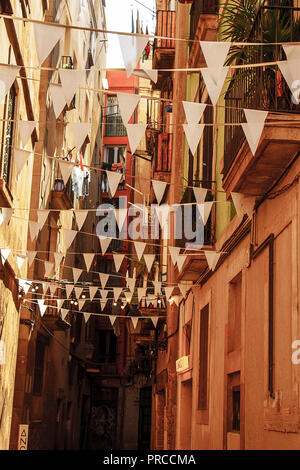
[
  {"x": 62, "y": 197},
  {"x": 262, "y": 88},
  {"x": 164, "y": 49},
  {"x": 160, "y": 145}
]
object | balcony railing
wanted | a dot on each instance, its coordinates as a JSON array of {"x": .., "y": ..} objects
[
  {"x": 261, "y": 88},
  {"x": 200, "y": 7},
  {"x": 165, "y": 27}
]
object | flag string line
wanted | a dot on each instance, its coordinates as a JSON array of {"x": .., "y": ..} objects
[
  {"x": 124, "y": 33},
  {"x": 99, "y": 299}
]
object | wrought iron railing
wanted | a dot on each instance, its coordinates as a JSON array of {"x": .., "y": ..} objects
[
  {"x": 200, "y": 7},
  {"x": 261, "y": 87}
]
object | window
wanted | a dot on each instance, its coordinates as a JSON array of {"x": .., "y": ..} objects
[
  {"x": 115, "y": 155},
  {"x": 40, "y": 348},
  {"x": 107, "y": 346},
  {"x": 8, "y": 134},
  {"x": 203, "y": 360},
  {"x": 114, "y": 125},
  {"x": 234, "y": 313},
  {"x": 187, "y": 333}
]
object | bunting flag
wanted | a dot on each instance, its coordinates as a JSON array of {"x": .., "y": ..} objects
[
  {"x": 103, "y": 279},
  {"x": 59, "y": 303},
  {"x": 254, "y": 127},
  {"x": 243, "y": 204},
  {"x": 157, "y": 287},
  {"x": 118, "y": 260},
  {"x": 8, "y": 74},
  {"x": 69, "y": 237},
  {"x": 181, "y": 259},
  {"x": 33, "y": 229},
  {"x": 139, "y": 248},
  {"x": 117, "y": 292},
  {"x": 20, "y": 261},
  {"x": 66, "y": 170},
  {"x": 177, "y": 299},
  {"x": 81, "y": 303},
  {"x": 7, "y": 214},
  {"x": 155, "y": 321},
  {"x": 163, "y": 213},
  {"x": 42, "y": 217},
  {"x": 58, "y": 257},
  {"x": 53, "y": 289},
  {"x": 93, "y": 292},
  {"x": 112, "y": 319},
  {"x": 205, "y": 211},
  {"x": 64, "y": 312},
  {"x": 183, "y": 289},
  {"x": 200, "y": 195},
  {"x": 20, "y": 159},
  {"x": 42, "y": 307},
  {"x": 134, "y": 321},
  {"x": 290, "y": 71},
  {"x": 214, "y": 80},
  {"x": 103, "y": 303},
  {"x": 76, "y": 274},
  {"x": 128, "y": 296},
  {"x": 121, "y": 215},
  {"x": 80, "y": 131},
  {"x": 70, "y": 81},
  {"x": 104, "y": 242},
  {"x": 25, "y": 285},
  {"x": 114, "y": 178},
  {"x": 78, "y": 292},
  {"x": 212, "y": 258},
  {"x": 141, "y": 293},
  {"x": 149, "y": 260},
  {"x": 80, "y": 218},
  {"x": 131, "y": 283},
  {"x": 104, "y": 294},
  {"x": 159, "y": 188},
  {"x": 45, "y": 287},
  {"x": 86, "y": 317},
  {"x": 46, "y": 38},
  {"x": 215, "y": 53},
  {"x": 292, "y": 51},
  {"x": 135, "y": 133},
  {"x": 58, "y": 98},
  {"x": 88, "y": 259},
  {"x": 174, "y": 253},
  {"x": 48, "y": 268},
  {"x": 152, "y": 74},
  {"x": 127, "y": 104},
  {"x": 30, "y": 256},
  {"x": 193, "y": 133},
  {"x": 69, "y": 290},
  {"x": 168, "y": 292},
  {"x": 26, "y": 129},
  {"x": 132, "y": 48},
  {"x": 193, "y": 111}
]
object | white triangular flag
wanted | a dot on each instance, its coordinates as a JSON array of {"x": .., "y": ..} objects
[
  {"x": 243, "y": 204},
  {"x": 135, "y": 133},
  {"x": 104, "y": 294},
  {"x": 69, "y": 236},
  {"x": 42, "y": 217},
  {"x": 46, "y": 38},
  {"x": 155, "y": 321},
  {"x": 127, "y": 104},
  {"x": 80, "y": 131},
  {"x": 215, "y": 53},
  {"x": 88, "y": 259},
  {"x": 26, "y": 129},
  {"x": 149, "y": 260},
  {"x": 134, "y": 321},
  {"x": 200, "y": 195},
  {"x": 114, "y": 179},
  {"x": 53, "y": 289},
  {"x": 292, "y": 51},
  {"x": 157, "y": 287},
  {"x": 5, "y": 254},
  {"x": 8, "y": 74},
  {"x": 174, "y": 253},
  {"x": 86, "y": 317},
  {"x": 42, "y": 307},
  {"x": 58, "y": 98},
  {"x": 120, "y": 215},
  {"x": 59, "y": 303},
  {"x": 20, "y": 261},
  {"x": 132, "y": 48},
  {"x": 159, "y": 188},
  {"x": 205, "y": 210},
  {"x": 7, "y": 214},
  {"x": 103, "y": 303},
  {"x": 46, "y": 286},
  {"x": 131, "y": 283},
  {"x": 66, "y": 170},
  {"x": 152, "y": 74},
  {"x": 180, "y": 261},
  {"x": 193, "y": 111},
  {"x": 112, "y": 319},
  {"x": 254, "y": 127},
  {"x": 128, "y": 296},
  {"x": 118, "y": 260},
  {"x": 168, "y": 291},
  {"x": 58, "y": 257},
  {"x": 64, "y": 312},
  {"x": 81, "y": 303},
  {"x": 163, "y": 213},
  {"x": 104, "y": 242},
  {"x": 103, "y": 279},
  {"x": 70, "y": 80},
  {"x": 78, "y": 292},
  {"x": 117, "y": 292},
  {"x": 69, "y": 290},
  {"x": 25, "y": 285},
  {"x": 177, "y": 299},
  {"x": 183, "y": 289},
  {"x": 93, "y": 292},
  {"x": 290, "y": 71},
  {"x": 193, "y": 133},
  {"x": 139, "y": 248},
  {"x": 214, "y": 81},
  {"x": 80, "y": 218},
  {"x": 48, "y": 268},
  {"x": 212, "y": 258},
  {"x": 30, "y": 256},
  {"x": 141, "y": 293},
  {"x": 33, "y": 229},
  {"x": 76, "y": 274}
]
